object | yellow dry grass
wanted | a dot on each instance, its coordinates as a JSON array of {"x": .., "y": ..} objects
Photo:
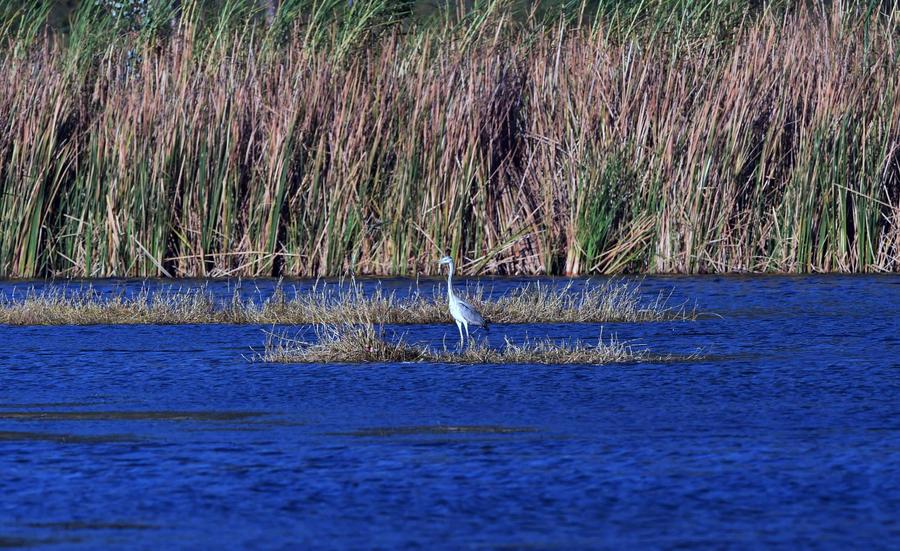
[
  {"x": 335, "y": 304},
  {"x": 363, "y": 343}
]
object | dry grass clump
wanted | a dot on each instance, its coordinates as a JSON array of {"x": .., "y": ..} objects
[
  {"x": 344, "y": 343},
  {"x": 364, "y": 343},
  {"x": 56, "y": 306},
  {"x": 610, "y": 302},
  {"x": 332, "y": 304},
  {"x": 342, "y": 302}
]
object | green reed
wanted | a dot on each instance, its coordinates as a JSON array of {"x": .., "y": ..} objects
[{"x": 330, "y": 138}]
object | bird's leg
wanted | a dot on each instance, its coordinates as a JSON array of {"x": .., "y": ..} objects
[
  {"x": 466, "y": 325},
  {"x": 461, "y": 341}
]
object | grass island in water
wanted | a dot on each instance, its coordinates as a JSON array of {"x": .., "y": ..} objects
[
  {"x": 363, "y": 343},
  {"x": 611, "y": 301}
]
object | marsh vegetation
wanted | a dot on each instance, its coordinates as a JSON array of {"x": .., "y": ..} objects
[
  {"x": 334, "y": 304},
  {"x": 333, "y": 138},
  {"x": 360, "y": 343}
]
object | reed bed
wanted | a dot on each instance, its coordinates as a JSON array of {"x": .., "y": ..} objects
[
  {"x": 334, "y": 138},
  {"x": 363, "y": 343},
  {"x": 333, "y": 304}
]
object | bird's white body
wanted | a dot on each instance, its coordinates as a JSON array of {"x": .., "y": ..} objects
[{"x": 464, "y": 314}]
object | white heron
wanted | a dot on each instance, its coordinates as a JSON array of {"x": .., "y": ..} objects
[{"x": 464, "y": 314}]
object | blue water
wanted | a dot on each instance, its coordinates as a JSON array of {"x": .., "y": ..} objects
[{"x": 788, "y": 434}]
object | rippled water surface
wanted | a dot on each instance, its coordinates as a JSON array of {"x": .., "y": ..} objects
[{"x": 148, "y": 436}]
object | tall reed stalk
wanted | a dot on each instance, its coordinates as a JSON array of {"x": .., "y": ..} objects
[{"x": 330, "y": 138}]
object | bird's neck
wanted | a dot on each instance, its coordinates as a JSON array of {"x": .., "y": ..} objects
[{"x": 450, "y": 281}]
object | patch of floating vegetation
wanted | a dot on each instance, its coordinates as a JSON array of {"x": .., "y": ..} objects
[
  {"x": 435, "y": 430},
  {"x": 24, "y": 543},
  {"x": 47, "y": 405},
  {"x": 81, "y": 525},
  {"x": 611, "y": 301},
  {"x": 127, "y": 415},
  {"x": 13, "y": 543},
  {"x": 17, "y": 436},
  {"x": 228, "y": 429},
  {"x": 363, "y": 343}
]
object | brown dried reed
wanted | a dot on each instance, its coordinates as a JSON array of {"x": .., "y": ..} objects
[{"x": 526, "y": 149}]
